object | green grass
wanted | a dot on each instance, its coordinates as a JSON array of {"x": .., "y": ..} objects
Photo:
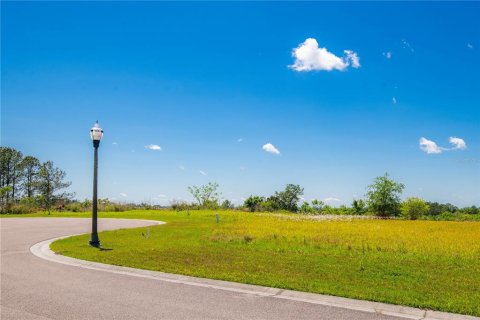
[{"x": 426, "y": 264}]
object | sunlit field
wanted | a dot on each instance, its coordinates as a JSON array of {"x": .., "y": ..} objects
[{"x": 427, "y": 264}]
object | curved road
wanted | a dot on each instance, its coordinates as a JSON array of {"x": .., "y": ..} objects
[{"x": 33, "y": 288}]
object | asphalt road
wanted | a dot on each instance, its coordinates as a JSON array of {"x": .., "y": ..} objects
[{"x": 33, "y": 288}]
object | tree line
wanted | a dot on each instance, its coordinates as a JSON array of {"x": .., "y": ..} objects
[
  {"x": 382, "y": 199},
  {"x": 27, "y": 184}
]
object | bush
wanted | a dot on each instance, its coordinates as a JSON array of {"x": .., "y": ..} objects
[
  {"x": 359, "y": 206},
  {"x": 21, "y": 209},
  {"x": 253, "y": 203},
  {"x": 75, "y": 207},
  {"x": 267, "y": 206},
  {"x": 413, "y": 208},
  {"x": 227, "y": 204},
  {"x": 180, "y": 205},
  {"x": 383, "y": 196},
  {"x": 305, "y": 208},
  {"x": 112, "y": 208}
]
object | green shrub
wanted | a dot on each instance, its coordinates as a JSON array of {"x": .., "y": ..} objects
[
  {"x": 20, "y": 209},
  {"x": 75, "y": 207},
  {"x": 305, "y": 208},
  {"x": 413, "y": 208},
  {"x": 180, "y": 205},
  {"x": 267, "y": 206}
]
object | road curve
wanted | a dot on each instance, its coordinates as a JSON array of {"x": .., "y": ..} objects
[{"x": 34, "y": 288}]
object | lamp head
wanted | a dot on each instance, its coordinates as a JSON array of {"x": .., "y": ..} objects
[{"x": 96, "y": 133}]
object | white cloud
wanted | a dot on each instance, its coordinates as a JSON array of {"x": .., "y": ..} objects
[
  {"x": 458, "y": 143},
  {"x": 310, "y": 57},
  {"x": 240, "y": 140},
  {"x": 469, "y": 46},
  {"x": 123, "y": 194},
  {"x": 331, "y": 199},
  {"x": 115, "y": 143},
  {"x": 353, "y": 58},
  {"x": 270, "y": 148},
  {"x": 202, "y": 172},
  {"x": 406, "y": 45},
  {"x": 154, "y": 147},
  {"x": 162, "y": 196},
  {"x": 429, "y": 146},
  {"x": 181, "y": 168},
  {"x": 387, "y": 55},
  {"x": 394, "y": 100}
]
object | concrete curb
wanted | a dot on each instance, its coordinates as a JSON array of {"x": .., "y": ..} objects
[{"x": 42, "y": 250}]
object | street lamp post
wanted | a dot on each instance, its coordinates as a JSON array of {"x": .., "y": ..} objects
[{"x": 96, "y": 133}]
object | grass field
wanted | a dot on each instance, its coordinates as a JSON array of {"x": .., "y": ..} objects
[{"x": 427, "y": 264}]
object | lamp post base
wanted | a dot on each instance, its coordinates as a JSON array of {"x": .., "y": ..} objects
[{"x": 94, "y": 242}]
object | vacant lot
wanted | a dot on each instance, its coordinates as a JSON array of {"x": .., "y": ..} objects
[{"x": 426, "y": 264}]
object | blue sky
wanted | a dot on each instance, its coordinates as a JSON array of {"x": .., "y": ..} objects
[{"x": 212, "y": 84}]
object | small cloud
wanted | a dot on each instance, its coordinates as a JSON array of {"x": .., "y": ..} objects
[
  {"x": 406, "y": 45},
  {"x": 310, "y": 57},
  {"x": 394, "y": 100},
  {"x": 115, "y": 143},
  {"x": 162, "y": 196},
  {"x": 469, "y": 46},
  {"x": 387, "y": 54},
  {"x": 242, "y": 168},
  {"x": 270, "y": 148},
  {"x": 123, "y": 194},
  {"x": 429, "y": 146},
  {"x": 202, "y": 172},
  {"x": 353, "y": 58},
  {"x": 181, "y": 168},
  {"x": 154, "y": 147},
  {"x": 331, "y": 199},
  {"x": 240, "y": 140},
  {"x": 133, "y": 150},
  {"x": 458, "y": 143}
]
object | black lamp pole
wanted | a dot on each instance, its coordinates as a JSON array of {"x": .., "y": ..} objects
[{"x": 96, "y": 133}]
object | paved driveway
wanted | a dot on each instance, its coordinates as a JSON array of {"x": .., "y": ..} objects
[{"x": 33, "y": 288}]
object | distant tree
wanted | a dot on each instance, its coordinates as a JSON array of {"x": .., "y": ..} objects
[
  {"x": 439, "y": 208},
  {"x": 306, "y": 208},
  {"x": 470, "y": 210},
  {"x": 30, "y": 167},
  {"x": 50, "y": 183},
  {"x": 10, "y": 172},
  {"x": 270, "y": 204},
  {"x": 227, "y": 204},
  {"x": 383, "y": 196},
  {"x": 253, "y": 203},
  {"x": 205, "y": 195},
  {"x": 288, "y": 199},
  {"x": 318, "y": 205},
  {"x": 359, "y": 206},
  {"x": 4, "y": 191},
  {"x": 413, "y": 208}
]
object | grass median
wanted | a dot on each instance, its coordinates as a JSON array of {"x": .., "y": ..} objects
[{"x": 426, "y": 264}]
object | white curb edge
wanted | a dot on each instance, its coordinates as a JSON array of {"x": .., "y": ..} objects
[{"x": 42, "y": 250}]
